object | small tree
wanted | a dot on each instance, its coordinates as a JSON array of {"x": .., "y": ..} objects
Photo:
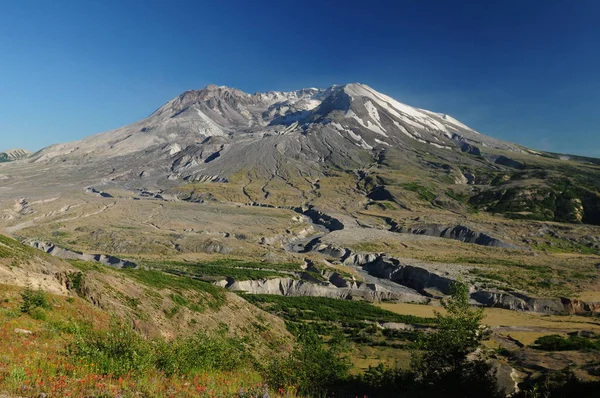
[
  {"x": 33, "y": 299},
  {"x": 313, "y": 367},
  {"x": 443, "y": 358}
]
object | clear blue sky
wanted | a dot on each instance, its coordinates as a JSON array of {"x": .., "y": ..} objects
[{"x": 527, "y": 71}]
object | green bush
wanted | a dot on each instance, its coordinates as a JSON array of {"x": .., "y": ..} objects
[
  {"x": 313, "y": 367},
  {"x": 33, "y": 299},
  {"x": 557, "y": 342},
  {"x": 215, "y": 296},
  {"x": 199, "y": 353},
  {"x": 118, "y": 351},
  {"x": 38, "y": 314}
]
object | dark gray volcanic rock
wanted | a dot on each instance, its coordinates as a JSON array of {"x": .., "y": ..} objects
[{"x": 456, "y": 232}]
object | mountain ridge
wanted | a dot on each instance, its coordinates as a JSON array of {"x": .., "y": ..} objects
[{"x": 354, "y": 111}]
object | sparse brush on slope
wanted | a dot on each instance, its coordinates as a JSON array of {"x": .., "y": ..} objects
[{"x": 120, "y": 351}]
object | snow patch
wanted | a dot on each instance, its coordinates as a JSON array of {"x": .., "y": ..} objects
[
  {"x": 439, "y": 146},
  {"x": 455, "y": 122},
  {"x": 359, "y": 140},
  {"x": 369, "y": 125},
  {"x": 374, "y": 114}
]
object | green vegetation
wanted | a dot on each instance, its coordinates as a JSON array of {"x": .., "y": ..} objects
[
  {"x": 559, "y": 200},
  {"x": 357, "y": 321},
  {"x": 75, "y": 280},
  {"x": 421, "y": 191},
  {"x": 11, "y": 248},
  {"x": 237, "y": 263},
  {"x": 32, "y": 300},
  {"x": 159, "y": 280},
  {"x": 222, "y": 268},
  {"x": 559, "y": 384},
  {"x": 88, "y": 266},
  {"x": 313, "y": 367},
  {"x": 326, "y": 309},
  {"x": 458, "y": 196},
  {"x": 369, "y": 247},
  {"x": 557, "y": 342},
  {"x": 556, "y": 245},
  {"x": 120, "y": 351},
  {"x": 445, "y": 353},
  {"x": 199, "y": 270}
]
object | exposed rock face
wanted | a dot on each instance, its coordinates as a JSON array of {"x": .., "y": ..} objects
[
  {"x": 470, "y": 149},
  {"x": 111, "y": 261},
  {"x": 458, "y": 232},
  {"x": 97, "y": 192},
  {"x": 507, "y": 377},
  {"x": 519, "y": 302},
  {"x": 332, "y": 251},
  {"x": 423, "y": 281},
  {"x": 575, "y": 306},
  {"x": 410, "y": 276},
  {"x": 346, "y": 291},
  {"x": 84, "y": 288},
  {"x": 506, "y": 161},
  {"x": 320, "y": 218},
  {"x": 380, "y": 193},
  {"x": 362, "y": 259}
]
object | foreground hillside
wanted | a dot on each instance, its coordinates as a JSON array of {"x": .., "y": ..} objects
[
  {"x": 80, "y": 329},
  {"x": 67, "y": 347}
]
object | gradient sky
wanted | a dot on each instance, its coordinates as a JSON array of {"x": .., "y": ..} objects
[{"x": 522, "y": 71}]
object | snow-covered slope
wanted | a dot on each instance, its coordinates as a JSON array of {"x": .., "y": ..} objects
[{"x": 217, "y": 131}]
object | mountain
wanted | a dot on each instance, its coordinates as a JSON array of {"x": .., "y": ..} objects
[
  {"x": 219, "y": 131},
  {"x": 14, "y": 154},
  {"x": 222, "y": 134}
]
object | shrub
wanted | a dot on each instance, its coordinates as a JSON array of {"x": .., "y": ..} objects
[
  {"x": 120, "y": 350},
  {"x": 33, "y": 299},
  {"x": 38, "y": 314},
  {"x": 385, "y": 381},
  {"x": 199, "y": 353},
  {"x": 559, "y": 384},
  {"x": 557, "y": 342},
  {"x": 313, "y": 367}
]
